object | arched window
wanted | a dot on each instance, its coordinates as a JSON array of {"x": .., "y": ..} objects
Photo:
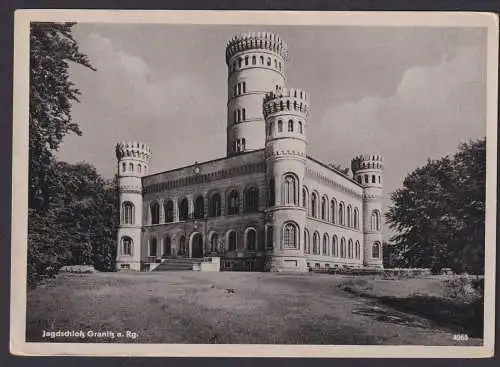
[
  {"x": 290, "y": 126},
  {"x": 341, "y": 214},
  {"x": 214, "y": 205},
  {"x": 184, "y": 209},
  {"x": 254, "y": 60},
  {"x": 342, "y": 248},
  {"x": 350, "y": 249},
  {"x": 375, "y": 221},
  {"x": 126, "y": 246},
  {"x": 199, "y": 207},
  {"x": 183, "y": 250},
  {"x": 246, "y": 60},
  {"x": 356, "y": 218},
  {"x": 214, "y": 243},
  {"x": 269, "y": 237},
  {"x": 239, "y": 88},
  {"x": 231, "y": 239},
  {"x": 307, "y": 243},
  {"x": 251, "y": 239},
  {"x": 326, "y": 245},
  {"x": 300, "y": 127},
  {"x": 272, "y": 192},
  {"x": 324, "y": 208},
  {"x": 262, "y": 60},
  {"x": 169, "y": 211},
  {"x": 244, "y": 87},
  {"x": 357, "y": 250},
  {"x": 376, "y": 250},
  {"x": 153, "y": 247},
  {"x": 373, "y": 179},
  {"x": 167, "y": 246},
  {"x": 316, "y": 243},
  {"x": 233, "y": 203},
  {"x": 128, "y": 213},
  {"x": 335, "y": 246},
  {"x": 314, "y": 205},
  {"x": 252, "y": 200},
  {"x": 290, "y": 234},
  {"x": 139, "y": 168},
  {"x": 268, "y": 61},
  {"x": 289, "y": 190},
  {"x": 124, "y": 167},
  {"x": 349, "y": 215},
  {"x": 243, "y": 112},
  {"x": 155, "y": 213},
  {"x": 366, "y": 178},
  {"x": 239, "y": 116},
  {"x": 305, "y": 198},
  {"x": 333, "y": 210},
  {"x": 378, "y": 179},
  {"x": 240, "y": 61},
  {"x": 280, "y": 126}
]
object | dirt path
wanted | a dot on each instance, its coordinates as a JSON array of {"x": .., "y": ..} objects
[{"x": 191, "y": 307}]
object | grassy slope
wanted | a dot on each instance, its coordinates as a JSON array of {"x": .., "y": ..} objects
[{"x": 191, "y": 307}]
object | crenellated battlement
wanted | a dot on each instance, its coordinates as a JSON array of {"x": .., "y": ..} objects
[
  {"x": 255, "y": 41},
  {"x": 367, "y": 161},
  {"x": 133, "y": 150},
  {"x": 283, "y": 99}
]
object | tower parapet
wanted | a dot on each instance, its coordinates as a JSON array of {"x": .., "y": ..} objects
[
  {"x": 288, "y": 100},
  {"x": 367, "y": 170},
  {"x": 256, "y": 41},
  {"x": 133, "y": 163}
]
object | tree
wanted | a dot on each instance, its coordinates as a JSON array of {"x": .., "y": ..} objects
[
  {"x": 339, "y": 168},
  {"x": 439, "y": 213},
  {"x": 52, "y": 47}
]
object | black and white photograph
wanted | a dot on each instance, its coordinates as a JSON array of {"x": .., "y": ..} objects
[{"x": 254, "y": 183}]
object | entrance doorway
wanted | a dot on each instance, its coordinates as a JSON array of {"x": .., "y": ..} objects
[{"x": 197, "y": 246}]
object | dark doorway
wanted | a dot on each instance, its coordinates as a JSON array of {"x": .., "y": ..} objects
[
  {"x": 167, "y": 247},
  {"x": 197, "y": 249}
]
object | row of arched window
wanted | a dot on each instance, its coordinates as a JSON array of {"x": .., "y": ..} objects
[
  {"x": 250, "y": 201},
  {"x": 131, "y": 168},
  {"x": 239, "y": 115},
  {"x": 291, "y": 127},
  {"x": 239, "y": 88},
  {"x": 349, "y": 249},
  {"x": 251, "y": 60},
  {"x": 329, "y": 210},
  {"x": 239, "y": 145},
  {"x": 367, "y": 179}
]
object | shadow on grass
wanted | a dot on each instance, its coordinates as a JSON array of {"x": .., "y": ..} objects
[{"x": 460, "y": 317}]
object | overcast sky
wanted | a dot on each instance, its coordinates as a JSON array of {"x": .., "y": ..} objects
[{"x": 406, "y": 93}]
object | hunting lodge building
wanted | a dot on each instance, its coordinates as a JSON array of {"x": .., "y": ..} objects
[{"x": 266, "y": 205}]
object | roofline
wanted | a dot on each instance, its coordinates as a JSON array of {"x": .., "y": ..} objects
[
  {"x": 334, "y": 170},
  {"x": 202, "y": 163}
]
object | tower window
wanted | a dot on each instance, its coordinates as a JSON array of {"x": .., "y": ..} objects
[
  {"x": 131, "y": 167},
  {"x": 366, "y": 178},
  {"x": 290, "y": 235},
  {"x": 254, "y": 60},
  {"x": 373, "y": 178},
  {"x": 126, "y": 246},
  {"x": 275, "y": 63},
  {"x": 128, "y": 213},
  {"x": 246, "y": 60},
  {"x": 290, "y": 126},
  {"x": 139, "y": 168},
  {"x": 378, "y": 179},
  {"x": 240, "y": 61},
  {"x": 243, "y": 114},
  {"x": 290, "y": 190},
  {"x": 268, "y": 61},
  {"x": 243, "y": 144},
  {"x": 244, "y": 87},
  {"x": 239, "y": 88},
  {"x": 239, "y": 117},
  {"x": 280, "y": 126},
  {"x": 300, "y": 127},
  {"x": 124, "y": 167},
  {"x": 262, "y": 60}
]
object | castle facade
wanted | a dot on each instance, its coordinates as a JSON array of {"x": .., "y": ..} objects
[{"x": 267, "y": 204}]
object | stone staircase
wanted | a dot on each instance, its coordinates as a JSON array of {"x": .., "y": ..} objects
[{"x": 176, "y": 263}]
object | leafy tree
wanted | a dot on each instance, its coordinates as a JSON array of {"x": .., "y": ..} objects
[
  {"x": 439, "y": 213},
  {"x": 52, "y": 47},
  {"x": 339, "y": 167}
]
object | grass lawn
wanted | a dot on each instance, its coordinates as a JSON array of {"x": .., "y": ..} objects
[{"x": 234, "y": 307}]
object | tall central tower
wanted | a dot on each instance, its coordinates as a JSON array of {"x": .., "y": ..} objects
[{"x": 256, "y": 65}]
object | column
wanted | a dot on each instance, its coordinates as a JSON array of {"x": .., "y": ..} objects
[
  {"x": 162, "y": 211},
  {"x": 190, "y": 205},
  {"x": 176, "y": 209}
]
